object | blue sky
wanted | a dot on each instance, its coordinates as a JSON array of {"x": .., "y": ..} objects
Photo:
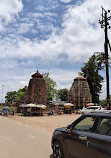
[{"x": 55, "y": 36}]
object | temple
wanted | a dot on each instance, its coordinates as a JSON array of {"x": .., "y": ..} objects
[
  {"x": 36, "y": 92},
  {"x": 79, "y": 94}
]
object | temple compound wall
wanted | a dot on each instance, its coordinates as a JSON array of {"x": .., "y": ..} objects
[{"x": 79, "y": 94}]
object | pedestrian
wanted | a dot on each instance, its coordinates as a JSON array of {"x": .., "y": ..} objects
[
  {"x": 22, "y": 112},
  {"x": 5, "y": 111},
  {"x": 12, "y": 112}
]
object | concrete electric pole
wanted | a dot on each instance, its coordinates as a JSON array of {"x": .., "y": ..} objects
[{"x": 105, "y": 25}]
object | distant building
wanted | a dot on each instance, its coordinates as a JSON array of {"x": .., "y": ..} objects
[
  {"x": 79, "y": 94},
  {"x": 36, "y": 92}
]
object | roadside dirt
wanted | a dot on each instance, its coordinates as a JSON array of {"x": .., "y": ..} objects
[{"x": 48, "y": 123}]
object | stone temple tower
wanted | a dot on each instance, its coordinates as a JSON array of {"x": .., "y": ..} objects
[
  {"x": 79, "y": 94},
  {"x": 36, "y": 92}
]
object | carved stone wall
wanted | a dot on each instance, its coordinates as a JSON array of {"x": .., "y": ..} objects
[
  {"x": 36, "y": 92},
  {"x": 79, "y": 94}
]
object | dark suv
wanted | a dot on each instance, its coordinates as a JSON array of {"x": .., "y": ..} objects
[{"x": 87, "y": 137}]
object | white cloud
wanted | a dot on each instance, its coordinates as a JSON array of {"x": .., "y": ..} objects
[
  {"x": 80, "y": 37},
  {"x": 8, "y": 9},
  {"x": 66, "y": 1},
  {"x": 24, "y": 27},
  {"x": 62, "y": 75},
  {"x": 103, "y": 91},
  {"x": 63, "y": 78}
]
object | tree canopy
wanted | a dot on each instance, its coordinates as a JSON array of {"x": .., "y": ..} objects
[
  {"x": 104, "y": 101},
  {"x": 50, "y": 87},
  {"x": 90, "y": 70},
  {"x": 15, "y": 96},
  {"x": 63, "y": 94}
]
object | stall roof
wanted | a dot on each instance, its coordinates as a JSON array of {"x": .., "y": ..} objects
[{"x": 57, "y": 103}]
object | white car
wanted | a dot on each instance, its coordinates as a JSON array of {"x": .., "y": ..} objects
[{"x": 91, "y": 109}]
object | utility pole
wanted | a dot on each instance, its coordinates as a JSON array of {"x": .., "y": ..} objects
[{"x": 105, "y": 25}]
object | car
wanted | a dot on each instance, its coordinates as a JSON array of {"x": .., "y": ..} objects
[
  {"x": 87, "y": 137},
  {"x": 90, "y": 109}
]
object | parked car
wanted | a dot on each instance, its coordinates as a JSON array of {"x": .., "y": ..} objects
[
  {"x": 90, "y": 109},
  {"x": 87, "y": 137}
]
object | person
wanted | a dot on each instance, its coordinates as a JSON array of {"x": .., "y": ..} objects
[
  {"x": 5, "y": 111},
  {"x": 12, "y": 112},
  {"x": 29, "y": 111},
  {"x": 52, "y": 112},
  {"x": 100, "y": 107},
  {"x": 22, "y": 112},
  {"x": 48, "y": 112}
]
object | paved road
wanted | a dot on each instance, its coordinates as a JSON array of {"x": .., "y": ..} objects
[{"x": 18, "y": 140}]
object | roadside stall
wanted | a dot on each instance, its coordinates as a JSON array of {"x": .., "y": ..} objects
[
  {"x": 43, "y": 109},
  {"x": 68, "y": 108},
  {"x": 56, "y": 107},
  {"x": 20, "y": 108},
  {"x": 35, "y": 111},
  {"x": 30, "y": 109}
]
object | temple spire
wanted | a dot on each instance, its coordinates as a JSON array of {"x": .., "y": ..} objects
[{"x": 37, "y": 75}]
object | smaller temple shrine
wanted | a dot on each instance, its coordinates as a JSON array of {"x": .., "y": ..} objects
[
  {"x": 36, "y": 92},
  {"x": 79, "y": 94}
]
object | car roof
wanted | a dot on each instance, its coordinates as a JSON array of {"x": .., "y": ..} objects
[
  {"x": 93, "y": 107},
  {"x": 104, "y": 114}
]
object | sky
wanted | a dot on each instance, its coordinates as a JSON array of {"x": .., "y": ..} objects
[{"x": 55, "y": 36}]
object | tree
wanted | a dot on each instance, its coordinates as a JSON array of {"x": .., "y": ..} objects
[
  {"x": 10, "y": 97},
  {"x": 63, "y": 94},
  {"x": 104, "y": 102},
  {"x": 15, "y": 96},
  {"x": 21, "y": 93},
  {"x": 50, "y": 87},
  {"x": 91, "y": 72}
]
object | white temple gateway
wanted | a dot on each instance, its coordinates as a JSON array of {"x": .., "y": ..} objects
[{"x": 79, "y": 94}]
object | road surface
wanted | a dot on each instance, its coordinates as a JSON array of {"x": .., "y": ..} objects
[{"x": 18, "y": 140}]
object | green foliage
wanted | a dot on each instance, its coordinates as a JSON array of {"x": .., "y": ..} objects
[
  {"x": 91, "y": 72},
  {"x": 63, "y": 94},
  {"x": 14, "y": 96},
  {"x": 21, "y": 93},
  {"x": 10, "y": 97},
  {"x": 100, "y": 58},
  {"x": 104, "y": 102},
  {"x": 50, "y": 87}
]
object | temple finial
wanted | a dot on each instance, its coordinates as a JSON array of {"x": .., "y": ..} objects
[{"x": 79, "y": 74}]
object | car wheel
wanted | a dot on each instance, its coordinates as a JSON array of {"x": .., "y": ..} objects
[{"x": 58, "y": 150}]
